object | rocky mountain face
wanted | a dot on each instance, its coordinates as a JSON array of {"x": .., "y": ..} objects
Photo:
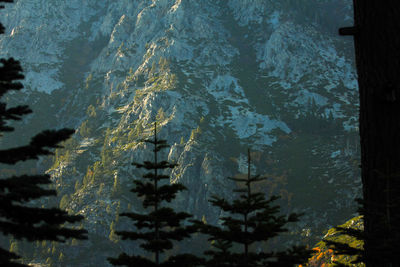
[{"x": 218, "y": 76}]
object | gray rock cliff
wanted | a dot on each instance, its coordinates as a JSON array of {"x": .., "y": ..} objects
[{"x": 218, "y": 76}]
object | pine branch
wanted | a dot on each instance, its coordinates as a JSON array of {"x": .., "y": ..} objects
[
  {"x": 6, "y": 258},
  {"x": 37, "y": 147},
  {"x": 183, "y": 260},
  {"x": 9, "y": 72},
  {"x": 5, "y": 1},
  {"x": 126, "y": 260},
  {"x": 24, "y": 188}
]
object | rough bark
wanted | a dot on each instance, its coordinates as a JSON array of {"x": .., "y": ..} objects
[{"x": 377, "y": 49}]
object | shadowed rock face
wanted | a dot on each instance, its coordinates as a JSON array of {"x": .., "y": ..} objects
[{"x": 218, "y": 76}]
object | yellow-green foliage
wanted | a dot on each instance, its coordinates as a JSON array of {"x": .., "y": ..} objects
[
  {"x": 203, "y": 219},
  {"x": 159, "y": 79},
  {"x": 107, "y": 154},
  {"x": 117, "y": 210},
  {"x": 91, "y": 111},
  {"x": 96, "y": 174},
  {"x": 120, "y": 48},
  {"x": 101, "y": 187},
  {"x": 135, "y": 132},
  {"x": 61, "y": 155},
  {"x": 131, "y": 76},
  {"x": 195, "y": 133},
  {"x": 87, "y": 179},
  {"x": 74, "y": 242},
  {"x": 117, "y": 141},
  {"x": 100, "y": 172},
  {"x": 324, "y": 255},
  {"x": 153, "y": 69},
  {"x": 50, "y": 262},
  {"x": 88, "y": 80},
  {"x": 116, "y": 187},
  {"x": 108, "y": 208},
  {"x": 53, "y": 249},
  {"x": 96, "y": 169},
  {"x": 84, "y": 129},
  {"x": 64, "y": 201},
  {"x": 202, "y": 119},
  {"x": 113, "y": 236},
  {"x": 138, "y": 131},
  {"x": 163, "y": 64},
  {"x": 61, "y": 257},
  {"x": 77, "y": 185},
  {"x": 160, "y": 117},
  {"x": 14, "y": 247}
]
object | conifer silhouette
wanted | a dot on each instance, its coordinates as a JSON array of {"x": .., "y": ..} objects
[
  {"x": 18, "y": 217},
  {"x": 163, "y": 222},
  {"x": 252, "y": 220}
]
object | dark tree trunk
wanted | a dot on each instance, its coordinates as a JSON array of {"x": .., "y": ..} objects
[{"x": 377, "y": 49}]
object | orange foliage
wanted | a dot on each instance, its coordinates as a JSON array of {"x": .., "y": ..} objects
[
  {"x": 317, "y": 249},
  {"x": 321, "y": 257}
]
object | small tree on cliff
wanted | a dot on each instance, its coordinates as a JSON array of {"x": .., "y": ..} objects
[
  {"x": 253, "y": 220},
  {"x": 18, "y": 217},
  {"x": 164, "y": 223}
]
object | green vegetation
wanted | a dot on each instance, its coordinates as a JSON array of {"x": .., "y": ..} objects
[
  {"x": 163, "y": 223},
  {"x": 251, "y": 220},
  {"x": 85, "y": 130},
  {"x": 195, "y": 133},
  {"x": 91, "y": 111},
  {"x": 64, "y": 201},
  {"x": 88, "y": 80},
  {"x": 329, "y": 256},
  {"x": 113, "y": 236},
  {"x": 160, "y": 78},
  {"x": 62, "y": 154}
]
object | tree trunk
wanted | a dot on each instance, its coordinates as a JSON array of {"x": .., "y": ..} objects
[{"x": 377, "y": 49}]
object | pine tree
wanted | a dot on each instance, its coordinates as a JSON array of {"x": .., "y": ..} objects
[
  {"x": 163, "y": 222},
  {"x": 18, "y": 217},
  {"x": 252, "y": 220}
]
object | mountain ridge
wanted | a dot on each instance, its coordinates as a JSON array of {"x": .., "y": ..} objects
[{"x": 218, "y": 76}]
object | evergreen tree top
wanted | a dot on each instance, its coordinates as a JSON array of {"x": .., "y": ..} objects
[
  {"x": 251, "y": 218},
  {"x": 163, "y": 224}
]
